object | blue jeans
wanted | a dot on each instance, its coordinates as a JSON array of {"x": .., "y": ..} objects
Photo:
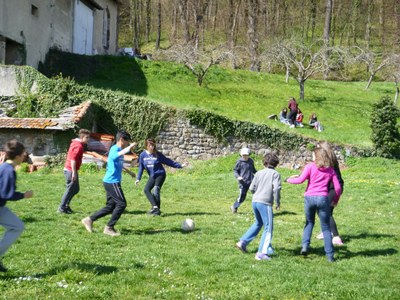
[
  {"x": 320, "y": 205},
  {"x": 264, "y": 216}
]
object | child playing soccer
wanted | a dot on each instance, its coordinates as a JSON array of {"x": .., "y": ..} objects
[
  {"x": 244, "y": 171},
  {"x": 266, "y": 187},
  {"x": 15, "y": 155}
]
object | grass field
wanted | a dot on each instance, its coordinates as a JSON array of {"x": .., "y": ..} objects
[
  {"x": 342, "y": 107},
  {"x": 56, "y": 258}
]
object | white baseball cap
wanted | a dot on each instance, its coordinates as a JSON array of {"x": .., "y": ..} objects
[{"x": 245, "y": 151}]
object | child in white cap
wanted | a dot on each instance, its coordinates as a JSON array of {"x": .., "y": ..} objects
[{"x": 244, "y": 171}]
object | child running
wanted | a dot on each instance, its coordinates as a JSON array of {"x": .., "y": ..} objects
[
  {"x": 266, "y": 187},
  {"x": 116, "y": 202},
  {"x": 15, "y": 155},
  {"x": 319, "y": 174},
  {"x": 244, "y": 171}
]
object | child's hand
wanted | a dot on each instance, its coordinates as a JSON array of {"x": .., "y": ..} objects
[
  {"x": 240, "y": 178},
  {"x": 28, "y": 194},
  {"x": 137, "y": 182}
]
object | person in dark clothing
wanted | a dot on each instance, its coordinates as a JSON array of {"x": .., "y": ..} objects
[
  {"x": 153, "y": 160},
  {"x": 15, "y": 155},
  {"x": 116, "y": 202},
  {"x": 293, "y": 107},
  {"x": 244, "y": 171}
]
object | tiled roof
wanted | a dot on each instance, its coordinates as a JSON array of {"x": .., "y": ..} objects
[{"x": 66, "y": 120}]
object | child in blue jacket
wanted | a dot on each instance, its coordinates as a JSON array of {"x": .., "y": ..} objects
[
  {"x": 15, "y": 155},
  {"x": 153, "y": 160}
]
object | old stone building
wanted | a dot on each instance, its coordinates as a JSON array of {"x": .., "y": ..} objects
[{"x": 29, "y": 28}]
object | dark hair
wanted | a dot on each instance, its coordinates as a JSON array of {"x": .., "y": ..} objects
[
  {"x": 270, "y": 160},
  {"x": 153, "y": 142},
  {"x": 83, "y": 132},
  {"x": 122, "y": 134},
  {"x": 13, "y": 148}
]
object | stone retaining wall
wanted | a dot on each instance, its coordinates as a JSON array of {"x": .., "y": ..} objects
[{"x": 180, "y": 140}]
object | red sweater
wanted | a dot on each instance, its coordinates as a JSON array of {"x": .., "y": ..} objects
[{"x": 75, "y": 152}]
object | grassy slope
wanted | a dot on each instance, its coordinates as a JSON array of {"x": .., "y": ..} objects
[
  {"x": 56, "y": 258},
  {"x": 342, "y": 107}
]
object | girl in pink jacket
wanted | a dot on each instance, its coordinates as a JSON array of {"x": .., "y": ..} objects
[{"x": 318, "y": 174}]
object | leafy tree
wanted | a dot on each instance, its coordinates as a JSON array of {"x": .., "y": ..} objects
[{"x": 385, "y": 132}]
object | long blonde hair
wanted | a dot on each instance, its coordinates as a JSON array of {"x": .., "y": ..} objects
[{"x": 322, "y": 159}]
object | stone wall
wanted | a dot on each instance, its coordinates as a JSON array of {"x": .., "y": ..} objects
[{"x": 180, "y": 140}]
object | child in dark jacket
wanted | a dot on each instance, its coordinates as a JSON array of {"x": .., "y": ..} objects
[
  {"x": 244, "y": 171},
  {"x": 15, "y": 155}
]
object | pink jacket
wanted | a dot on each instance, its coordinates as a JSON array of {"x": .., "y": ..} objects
[{"x": 318, "y": 181}]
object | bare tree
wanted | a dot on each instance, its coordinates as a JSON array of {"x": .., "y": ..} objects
[
  {"x": 197, "y": 61},
  {"x": 375, "y": 62},
  {"x": 252, "y": 34},
  {"x": 158, "y": 40},
  {"x": 303, "y": 61}
]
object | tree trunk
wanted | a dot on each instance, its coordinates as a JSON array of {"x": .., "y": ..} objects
[
  {"x": 313, "y": 17},
  {"x": 158, "y": 40},
  {"x": 396, "y": 97},
  {"x": 287, "y": 75},
  {"x": 174, "y": 24},
  {"x": 397, "y": 12},
  {"x": 184, "y": 20},
  {"x": 302, "y": 84},
  {"x": 148, "y": 20},
  {"x": 382, "y": 21},
  {"x": 371, "y": 77},
  {"x": 136, "y": 33},
  {"x": 328, "y": 19},
  {"x": 252, "y": 35},
  {"x": 368, "y": 25}
]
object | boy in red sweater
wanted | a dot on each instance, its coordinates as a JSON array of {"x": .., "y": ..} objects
[{"x": 71, "y": 168}]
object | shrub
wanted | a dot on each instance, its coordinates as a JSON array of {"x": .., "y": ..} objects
[
  {"x": 385, "y": 133},
  {"x": 54, "y": 161}
]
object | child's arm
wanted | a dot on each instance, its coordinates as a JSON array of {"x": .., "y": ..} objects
[
  {"x": 338, "y": 189},
  {"x": 277, "y": 186}
]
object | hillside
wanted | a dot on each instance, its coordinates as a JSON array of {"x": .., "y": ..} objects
[{"x": 342, "y": 107}]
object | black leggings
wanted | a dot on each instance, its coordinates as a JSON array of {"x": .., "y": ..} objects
[{"x": 154, "y": 184}]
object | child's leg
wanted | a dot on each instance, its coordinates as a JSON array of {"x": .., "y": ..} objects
[
  {"x": 158, "y": 183},
  {"x": 14, "y": 227},
  {"x": 243, "y": 189},
  {"x": 255, "y": 228},
  {"x": 266, "y": 238},
  {"x": 147, "y": 191}
]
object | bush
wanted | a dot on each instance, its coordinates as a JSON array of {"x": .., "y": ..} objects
[
  {"x": 54, "y": 161},
  {"x": 385, "y": 132}
]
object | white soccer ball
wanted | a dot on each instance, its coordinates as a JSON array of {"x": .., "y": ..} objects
[{"x": 188, "y": 225}]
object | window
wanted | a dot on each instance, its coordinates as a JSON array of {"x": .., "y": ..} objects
[{"x": 34, "y": 10}]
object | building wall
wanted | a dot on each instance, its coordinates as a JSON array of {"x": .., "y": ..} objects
[{"x": 39, "y": 25}]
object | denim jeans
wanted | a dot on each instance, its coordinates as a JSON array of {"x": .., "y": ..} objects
[
  {"x": 320, "y": 205},
  {"x": 264, "y": 216},
  {"x": 72, "y": 188}
]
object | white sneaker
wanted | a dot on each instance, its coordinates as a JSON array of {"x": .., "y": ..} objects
[
  {"x": 292, "y": 126},
  {"x": 320, "y": 236},
  {"x": 110, "y": 231},
  {"x": 87, "y": 222},
  {"x": 337, "y": 241}
]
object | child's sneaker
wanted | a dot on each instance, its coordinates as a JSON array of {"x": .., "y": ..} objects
[
  {"x": 337, "y": 241},
  {"x": 241, "y": 246},
  {"x": 233, "y": 209},
  {"x": 262, "y": 256},
  {"x": 320, "y": 236}
]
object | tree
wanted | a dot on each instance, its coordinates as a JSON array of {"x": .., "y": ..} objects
[
  {"x": 197, "y": 61},
  {"x": 304, "y": 60},
  {"x": 252, "y": 34},
  {"x": 373, "y": 61},
  {"x": 385, "y": 132}
]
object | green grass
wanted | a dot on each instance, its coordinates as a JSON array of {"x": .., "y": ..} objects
[
  {"x": 56, "y": 258},
  {"x": 342, "y": 107}
]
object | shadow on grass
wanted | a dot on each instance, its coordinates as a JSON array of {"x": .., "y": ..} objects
[
  {"x": 155, "y": 231},
  {"x": 284, "y": 213},
  {"x": 81, "y": 267},
  {"x": 365, "y": 235},
  {"x": 190, "y": 214},
  {"x": 344, "y": 253},
  {"x": 135, "y": 212},
  {"x": 318, "y": 100}
]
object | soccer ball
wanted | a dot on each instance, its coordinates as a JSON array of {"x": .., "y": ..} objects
[{"x": 188, "y": 225}]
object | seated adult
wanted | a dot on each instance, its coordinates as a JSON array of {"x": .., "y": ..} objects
[
  {"x": 283, "y": 116},
  {"x": 314, "y": 123}
]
